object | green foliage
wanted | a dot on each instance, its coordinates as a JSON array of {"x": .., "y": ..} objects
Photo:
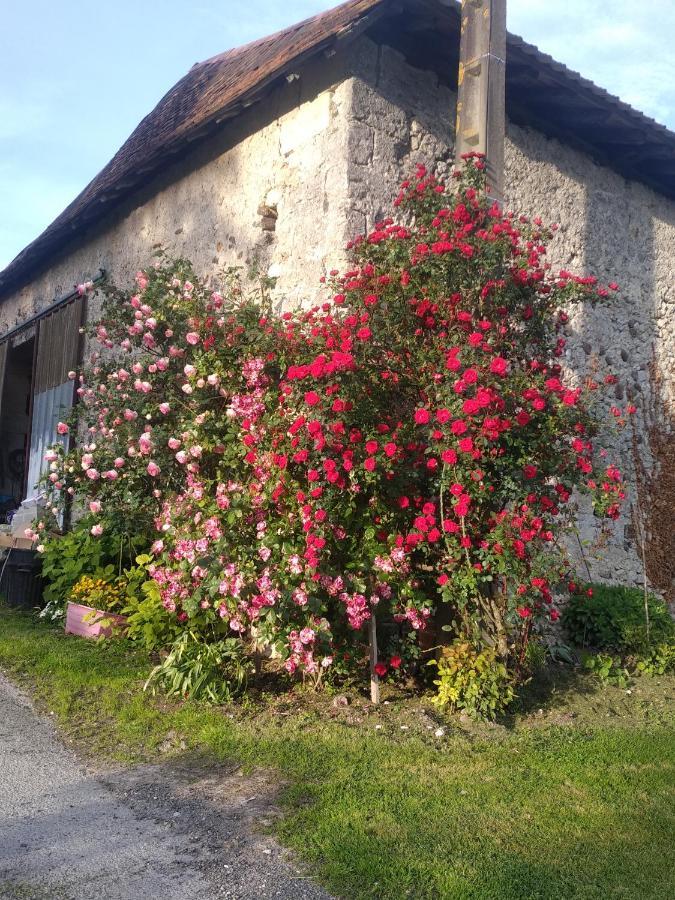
[
  {"x": 147, "y": 620},
  {"x": 612, "y": 617},
  {"x": 535, "y": 656},
  {"x": 473, "y": 680},
  {"x": 609, "y": 669},
  {"x": 213, "y": 672},
  {"x": 67, "y": 557},
  {"x": 64, "y": 561},
  {"x": 658, "y": 661}
]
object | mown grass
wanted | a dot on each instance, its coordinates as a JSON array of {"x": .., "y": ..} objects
[{"x": 572, "y": 800}]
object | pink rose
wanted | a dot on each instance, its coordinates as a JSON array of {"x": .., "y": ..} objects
[
  {"x": 192, "y": 337},
  {"x": 95, "y": 506},
  {"x": 62, "y": 428},
  {"x": 164, "y": 408},
  {"x": 97, "y": 530},
  {"x": 153, "y": 469}
]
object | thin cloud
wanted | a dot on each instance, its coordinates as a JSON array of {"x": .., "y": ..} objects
[{"x": 627, "y": 52}]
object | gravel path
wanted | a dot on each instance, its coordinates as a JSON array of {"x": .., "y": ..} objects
[{"x": 165, "y": 832}]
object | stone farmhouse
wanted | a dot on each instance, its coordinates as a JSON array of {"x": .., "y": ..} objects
[{"x": 276, "y": 153}]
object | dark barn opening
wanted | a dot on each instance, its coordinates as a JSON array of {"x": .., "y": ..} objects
[{"x": 15, "y": 419}]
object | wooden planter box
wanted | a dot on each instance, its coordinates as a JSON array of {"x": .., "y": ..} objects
[{"x": 87, "y": 622}]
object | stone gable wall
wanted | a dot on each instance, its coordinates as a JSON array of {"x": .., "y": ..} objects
[
  {"x": 288, "y": 155},
  {"x": 615, "y": 229}
]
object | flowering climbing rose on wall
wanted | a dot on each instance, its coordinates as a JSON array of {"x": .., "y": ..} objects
[{"x": 409, "y": 443}]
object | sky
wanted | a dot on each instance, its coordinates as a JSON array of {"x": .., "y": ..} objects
[{"x": 75, "y": 83}]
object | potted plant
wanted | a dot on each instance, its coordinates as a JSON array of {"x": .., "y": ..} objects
[{"x": 93, "y": 607}]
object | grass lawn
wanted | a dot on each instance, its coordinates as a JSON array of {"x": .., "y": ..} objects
[{"x": 574, "y": 797}]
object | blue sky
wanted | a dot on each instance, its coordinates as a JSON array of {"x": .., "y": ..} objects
[{"x": 74, "y": 83}]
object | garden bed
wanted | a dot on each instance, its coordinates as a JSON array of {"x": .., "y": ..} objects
[
  {"x": 91, "y": 623},
  {"x": 571, "y": 796}
]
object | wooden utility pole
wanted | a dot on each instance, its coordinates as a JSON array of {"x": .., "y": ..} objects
[
  {"x": 374, "y": 679},
  {"x": 481, "y": 117}
]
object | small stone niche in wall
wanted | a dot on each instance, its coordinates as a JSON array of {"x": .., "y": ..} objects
[{"x": 268, "y": 217}]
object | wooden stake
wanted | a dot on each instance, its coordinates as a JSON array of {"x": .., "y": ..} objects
[
  {"x": 374, "y": 680},
  {"x": 481, "y": 115}
]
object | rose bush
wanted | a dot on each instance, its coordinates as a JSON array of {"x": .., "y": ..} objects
[{"x": 410, "y": 442}]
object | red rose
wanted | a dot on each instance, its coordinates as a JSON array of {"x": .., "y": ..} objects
[
  {"x": 395, "y": 662},
  {"x": 499, "y": 366},
  {"x": 421, "y": 416},
  {"x": 380, "y": 669}
]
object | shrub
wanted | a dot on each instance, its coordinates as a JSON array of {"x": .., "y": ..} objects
[
  {"x": 612, "y": 617},
  {"x": 473, "y": 680},
  {"x": 102, "y": 591},
  {"x": 609, "y": 669},
  {"x": 215, "y": 672},
  {"x": 409, "y": 442},
  {"x": 67, "y": 558},
  {"x": 147, "y": 621},
  {"x": 660, "y": 660}
]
